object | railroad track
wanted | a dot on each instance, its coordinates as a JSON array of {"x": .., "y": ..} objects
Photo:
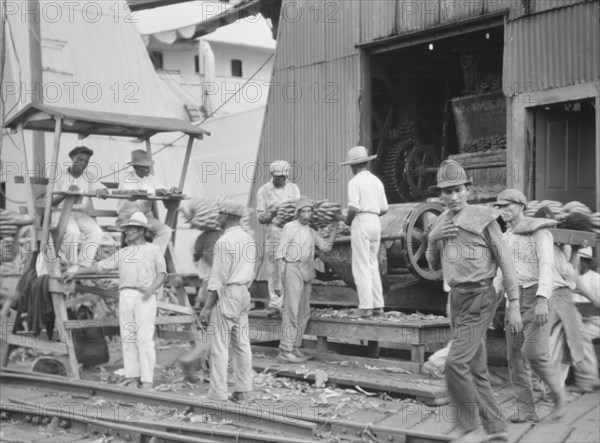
[
  {"x": 252, "y": 422},
  {"x": 257, "y": 424}
]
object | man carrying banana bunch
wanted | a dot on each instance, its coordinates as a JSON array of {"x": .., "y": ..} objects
[
  {"x": 295, "y": 257},
  {"x": 278, "y": 190}
]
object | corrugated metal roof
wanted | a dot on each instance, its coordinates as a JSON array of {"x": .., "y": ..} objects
[
  {"x": 377, "y": 19},
  {"x": 342, "y": 31},
  {"x": 559, "y": 48}
]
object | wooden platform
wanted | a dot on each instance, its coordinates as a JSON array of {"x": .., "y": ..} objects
[{"x": 416, "y": 333}]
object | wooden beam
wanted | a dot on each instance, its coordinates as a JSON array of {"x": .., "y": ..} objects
[
  {"x": 47, "y": 216},
  {"x": 186, "y": 161},
  {"x": 365, "y": 103}
]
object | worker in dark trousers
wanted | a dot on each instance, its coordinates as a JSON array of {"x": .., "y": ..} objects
[{"x": 467, "y": 244}]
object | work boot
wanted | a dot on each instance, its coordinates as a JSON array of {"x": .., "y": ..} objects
[
  {"x": 298, "y": 353},
  {"x": 497, "y": 437},
  {"x": 273, "y": 312},
  {"x": 378, "y": 312},
  {"x": 289, "y": 357},
  {"x": 361, "y": 313},
  {"x": 560, "y": 406},
  {"x": 476, "y": 435},
  {"x": 238, "y": 397}
]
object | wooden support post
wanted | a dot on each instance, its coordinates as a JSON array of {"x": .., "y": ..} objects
[
  {"x": 186, "y": 162},
  {"x": 417, "y": 353},
  {"x": 373, "y": 349},
  {"x": 47, "y": 218},
  {"x": 321, "y": 344},
  {"x": 65, "y": 334}
]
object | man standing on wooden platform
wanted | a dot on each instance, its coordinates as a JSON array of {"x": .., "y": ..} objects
[
  {"x": 269, "y": 196},
  {"x": 142, "y": 271},
  {"x": 228, "y": 303},
  {"x": 296, "y": 254},
  {"x": 532, "y": 248},
  {"x": 466, "y": 242},
  {"x": 366, "y": 203}
]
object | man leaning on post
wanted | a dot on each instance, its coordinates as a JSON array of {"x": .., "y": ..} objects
[{"x": 466, "y": 242}]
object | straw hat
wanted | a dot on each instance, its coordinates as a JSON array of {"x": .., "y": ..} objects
[
  {"x": 358, "y": 155},
  {"x": 139, "y": 157},
  {"x": 450, "y": 173},
  {"x": 136, "y": 219}
]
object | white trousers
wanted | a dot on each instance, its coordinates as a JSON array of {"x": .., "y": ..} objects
[
  {"x": 79, "y": 225},
  {"x": 365, "y": 239},
  {"x": 272, "y": 239},
  {"x": 137, "y": 319}
]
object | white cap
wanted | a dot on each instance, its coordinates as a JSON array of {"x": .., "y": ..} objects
[{"x": 585, "y": 252}]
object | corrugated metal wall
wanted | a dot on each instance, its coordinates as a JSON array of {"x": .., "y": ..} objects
[
  {"x": 552, "y": 49},
  {"x": 313, "y": 114}
]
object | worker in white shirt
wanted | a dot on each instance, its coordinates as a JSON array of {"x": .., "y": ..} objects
[
  {"x": 142, "y": 271},
  {"x": 141, "y": 179},
  {"x": 366, "y": 203},
  {"x": 77, "y": 178},
  {"x": 296, "y": 253},
  {"x": 278, "y": 190},
  {"x": 225, "y": 313}
]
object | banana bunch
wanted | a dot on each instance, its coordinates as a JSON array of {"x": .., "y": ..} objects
[
  {"x": 554, "y": 206},
  {"x": 595, "y": 221},
  {"x": 323, "y": 212},
  {"x": 562, "y": 212},
  {"x": 202, "y": 213},
  {"x": 10, "y": 222},
  {"x": 286, "y": 212}
]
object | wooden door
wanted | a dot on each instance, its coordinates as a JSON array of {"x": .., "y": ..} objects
[{"x": 565, "y": 155}]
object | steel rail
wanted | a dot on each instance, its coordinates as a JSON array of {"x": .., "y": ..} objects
[{"x": 245, "y": 415}]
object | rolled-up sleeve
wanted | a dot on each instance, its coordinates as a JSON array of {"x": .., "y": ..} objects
[
  {"x": 544, "y": 243},
  {"x": 504, "y": 260},
  {"x": 221, "y": 268},
  {"x": 110, "y": 263}
]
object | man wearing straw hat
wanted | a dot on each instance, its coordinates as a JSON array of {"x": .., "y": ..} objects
[
  {"x": 366, "y": 203},
  {"x": 141, "y": 179},
  {"x": 142, "y": 271},
  {"x": 467, "y": 244},
  {"x": 225, "y": 313},
  {"x": 278, "y": 190}
]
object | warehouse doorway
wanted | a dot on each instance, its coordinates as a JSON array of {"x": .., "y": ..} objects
[
  {"x": 565, "y": 152},
  {"x": 432, "y": 96}
]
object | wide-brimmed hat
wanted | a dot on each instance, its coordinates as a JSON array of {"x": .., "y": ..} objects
[
  {"x": 80, "y": 150},
  {"x": 358, "y": 155},
  {"x": 450, "y": 173},
  {"x": 585, "y": 252},
  {"x": 280, "y": 167},
  {"x": 139, "y": 157},
  {"x": 509, "y": 196},
  {"x": 136, "y": 219},
  {"x": 303, "y": 202},
  {"x": 228, "y": 206}
]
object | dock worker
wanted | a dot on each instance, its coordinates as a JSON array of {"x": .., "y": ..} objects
[
  {"x": 78, "y": 178},
  {"x": 532, "y": 249},
  {"x": 366, "y": 203},
  {"x": 141, "y": 179},
  {"x": 225, "y": 313},
  {"x": 296, "y": 253},
  {"x": 587, "y": 296},
  {"x": 142, "y": 271},
  {"x": 466, "y": 243},
  {"x": 278, "y": 190}
]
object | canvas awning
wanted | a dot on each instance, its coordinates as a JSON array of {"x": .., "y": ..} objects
[{"x": 85, "y": 122}]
